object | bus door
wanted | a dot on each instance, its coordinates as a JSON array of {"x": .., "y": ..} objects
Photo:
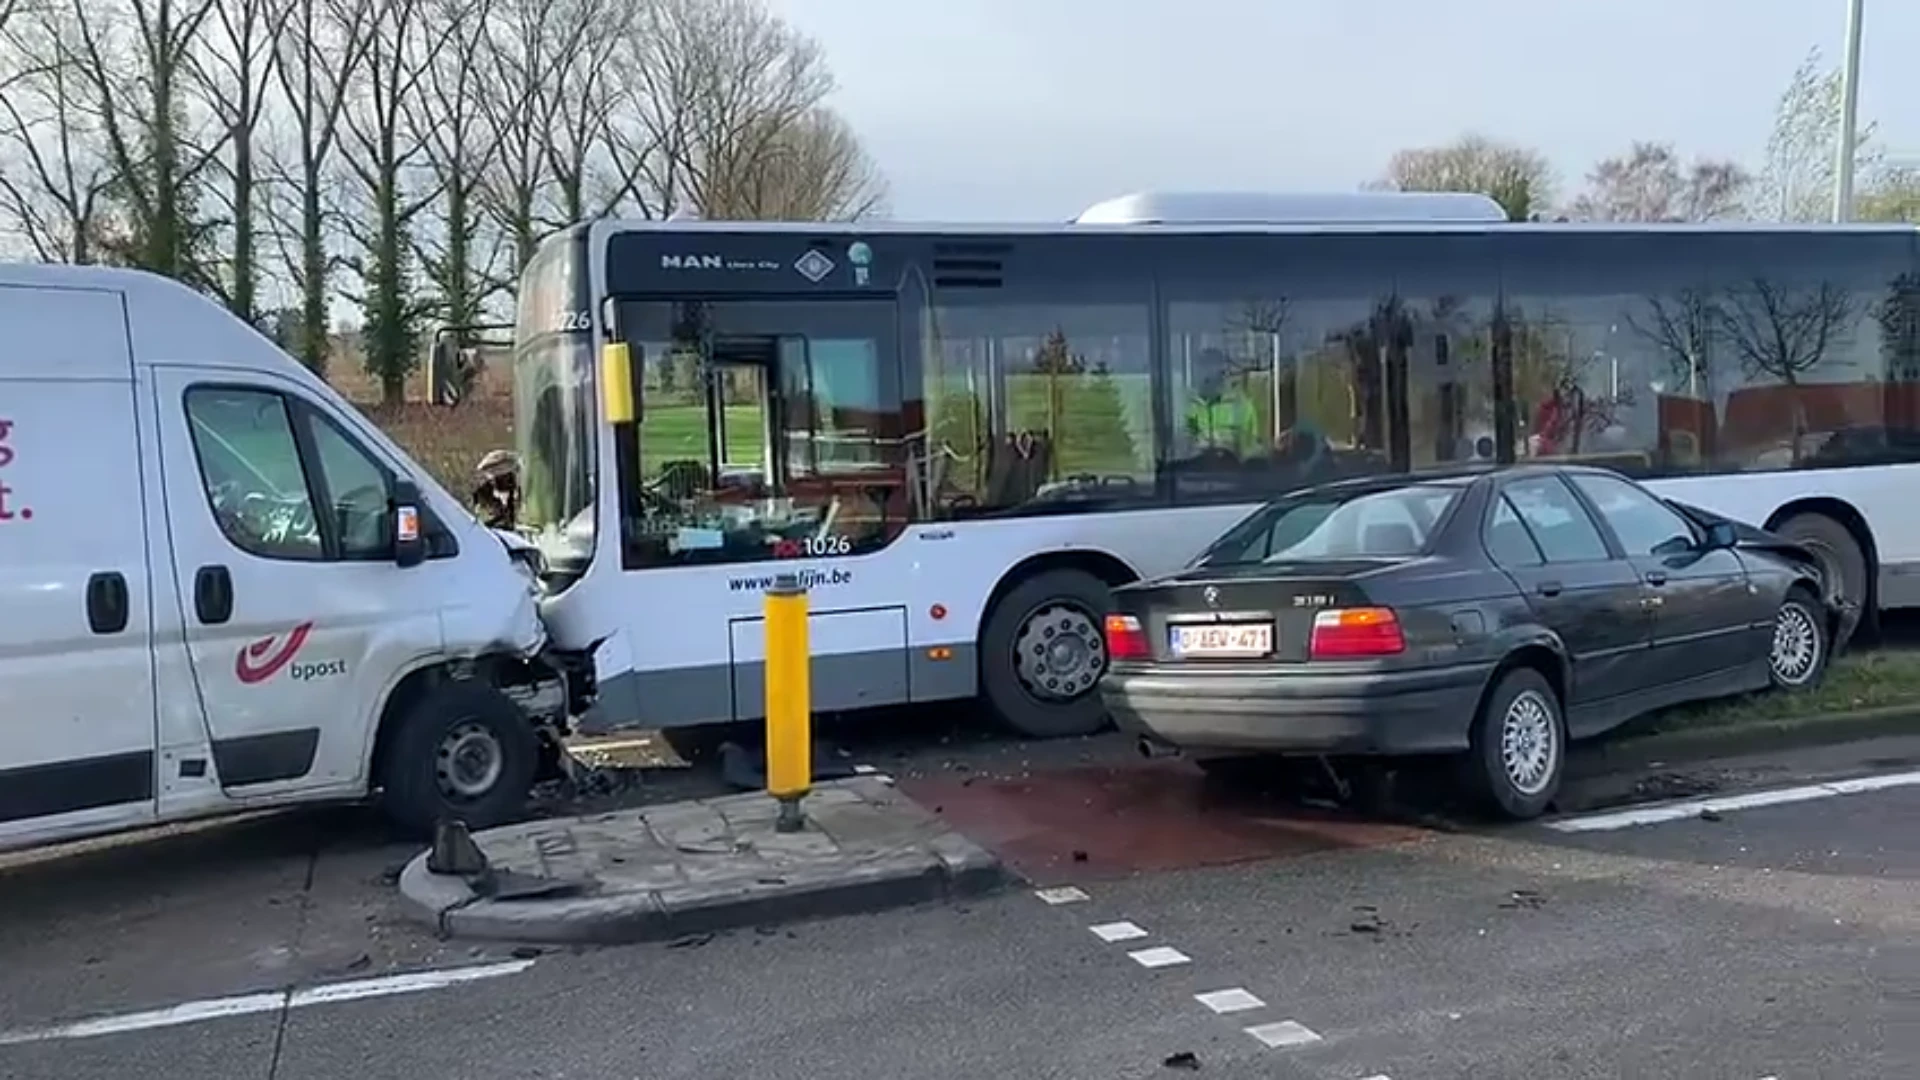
[{"x": 770, "y": 443}]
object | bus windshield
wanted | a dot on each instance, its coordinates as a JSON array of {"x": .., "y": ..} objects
[{"x": 554, "y": 416}]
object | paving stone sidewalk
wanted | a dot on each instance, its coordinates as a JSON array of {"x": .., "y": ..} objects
[{"x": 703, "y": 865}]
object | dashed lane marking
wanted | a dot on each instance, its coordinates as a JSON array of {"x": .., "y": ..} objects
[
  {"x": 1159, "y": 956},
  {"x": 1689, "y": 808},
  {"x": 195, "y": 1012},
  {"x": 1064, "y": 894},
  {"x": 1229, "y": 1001},
  {"x": 1117, "y": 931},
  {"x": 1283, "y": 1033}
]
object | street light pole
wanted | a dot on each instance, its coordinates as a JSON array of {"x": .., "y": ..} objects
[{"x": 1849, "y": 113}]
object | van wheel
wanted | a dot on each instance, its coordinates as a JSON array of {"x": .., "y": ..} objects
[
  {"x": 1519, "y": 745},
  {"x": 1800, "y": 650},
  {"x": 1842, "y": 564},
  {"x": 463, "y": 752},
  {"x": 1043, "y": 652}
]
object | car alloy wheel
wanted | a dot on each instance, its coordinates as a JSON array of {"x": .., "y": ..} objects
[
  {"x": 1797, "y": 645},
  {"x": 1529, "y": 743}
]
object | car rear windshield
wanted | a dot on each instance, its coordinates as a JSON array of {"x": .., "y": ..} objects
[{"x": 1337, "y": 525}]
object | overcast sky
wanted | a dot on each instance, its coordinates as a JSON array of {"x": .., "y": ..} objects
[{"x": 1031, "y": 109}]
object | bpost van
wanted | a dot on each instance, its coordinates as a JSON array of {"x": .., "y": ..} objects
[{"x": 223, "y": 589}]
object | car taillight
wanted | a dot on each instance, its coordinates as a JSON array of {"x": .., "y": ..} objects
[
  {"x": 1125, "y": 639},
  {"x": 1345, "y": 632}
]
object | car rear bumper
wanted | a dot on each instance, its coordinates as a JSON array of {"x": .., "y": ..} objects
[{"x": 1429, "y": 710}]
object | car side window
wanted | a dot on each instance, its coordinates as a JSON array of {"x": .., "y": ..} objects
[
  {"x": 1507, "y": 538},
  {"x": 356, "y": 488},
  {"x": 1644, "y": 524},
  {"x": 250, "y": 467},
  {"x": 1559, "y": 524}
]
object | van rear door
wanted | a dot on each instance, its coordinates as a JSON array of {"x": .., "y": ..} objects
[{"x": 77, "y": 704}]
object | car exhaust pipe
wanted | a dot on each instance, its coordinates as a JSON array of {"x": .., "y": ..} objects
[{"x": 1154, "y": 748}]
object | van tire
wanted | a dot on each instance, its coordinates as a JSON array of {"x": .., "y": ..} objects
[
  {"x": 460, "y": 735},
  {"x": 1045, "y": 605}
]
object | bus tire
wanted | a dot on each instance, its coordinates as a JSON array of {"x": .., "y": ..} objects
[
  {"x": 464, "y": 752},
  {"x": 1842, "y": 564},
  {"x": 1042, "y": 654}
]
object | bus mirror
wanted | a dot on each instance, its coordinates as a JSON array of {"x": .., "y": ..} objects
[{"x": 409, "y": 544}]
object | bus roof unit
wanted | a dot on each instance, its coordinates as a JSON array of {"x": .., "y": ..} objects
[{"x": 1256, "y": 208}]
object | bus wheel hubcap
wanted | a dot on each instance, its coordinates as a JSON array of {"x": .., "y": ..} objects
[
  {"x": 1058, "y": 652},
  {"x": 469, "y": 762}
]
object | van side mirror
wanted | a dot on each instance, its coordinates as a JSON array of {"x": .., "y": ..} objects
[
  {"x": 1721, "y": 535},
  {"x": 409, "y": 541}
]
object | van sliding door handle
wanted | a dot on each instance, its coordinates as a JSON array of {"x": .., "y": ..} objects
[{"x": 107, "y": 608}]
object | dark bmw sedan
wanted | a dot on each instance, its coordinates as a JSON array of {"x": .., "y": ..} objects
[{"x": 1497, "y": 615}]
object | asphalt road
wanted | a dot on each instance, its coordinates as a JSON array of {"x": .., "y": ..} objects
[{"x": 1781, "y": 941}]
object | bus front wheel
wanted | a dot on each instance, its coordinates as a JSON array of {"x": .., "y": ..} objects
[
  {"x": 1842, "y": 564},
  {"x": 1043, "y": 652}
]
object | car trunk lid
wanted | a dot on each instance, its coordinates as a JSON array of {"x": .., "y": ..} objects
[{"x": 1253, "y": 613}]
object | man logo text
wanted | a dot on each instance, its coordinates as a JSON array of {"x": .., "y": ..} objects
[{"x": 691, "y": 262}]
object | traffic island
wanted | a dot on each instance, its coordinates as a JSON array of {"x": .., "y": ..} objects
[{"x": 699, "y": 866}]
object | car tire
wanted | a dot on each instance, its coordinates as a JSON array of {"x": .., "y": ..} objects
[
  {"x": 1519, "y": 746},
  {"x": 463, "y": 752},
  {"x": 1801, "y": 642},
  {"x": 1842, "y": 563},
  {"x": 1037, "y": 681}
]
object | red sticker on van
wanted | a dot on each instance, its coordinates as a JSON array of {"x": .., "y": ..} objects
[{"x": 264, "y": 659}]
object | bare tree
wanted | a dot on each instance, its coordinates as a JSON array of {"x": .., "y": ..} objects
[
  {"x": 403, "y": 46},
  {"x": 1780, "y": 333},
  {"x": 321, "y": 46},
  {"x": 1681, "y": 328},
  {"x": 54, "y": 174},
  {"x": 738, "y": 116},
  {"x": 593, "y": 166},
  {"x": 528, "y": 40},
  {"x": 235, "y": 71},
  {"x": 1519, "y": 178},
  {"x": 1648, "y": 183},
  {"x": 813, "y": 170},
  {"x": 1797, "y": 181},
  {"x": 134, "y": 58},
  {"x": 459, "y": 147}
]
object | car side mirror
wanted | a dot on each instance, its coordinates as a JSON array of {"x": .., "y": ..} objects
[
  {"x": 409, "y": 541},
  {"x": 1720, "y": 535}
]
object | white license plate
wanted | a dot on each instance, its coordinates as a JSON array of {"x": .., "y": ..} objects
[{"x": 1223, "y": 639}]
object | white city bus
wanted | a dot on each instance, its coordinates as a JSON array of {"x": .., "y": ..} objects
[{"x": 961, "y": 437}]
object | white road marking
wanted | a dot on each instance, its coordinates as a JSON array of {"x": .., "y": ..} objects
[
  {"x": 1689, "y": 808},
  {"x": 864, "y": 770},
  {"x": 1159, "y": 956},
  {"x": 195, "y": 1012},
  {"x": 1117, "y": 931},
  {"x": 1283, "y": 1033},
  {"x": 1063, "y": 894},
  {"x": 1229, "y": 1001}
]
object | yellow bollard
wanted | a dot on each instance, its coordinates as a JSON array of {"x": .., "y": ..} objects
[{"x": 789, "y": 701}]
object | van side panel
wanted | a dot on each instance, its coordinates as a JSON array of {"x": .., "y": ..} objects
[{"x": 76, "y": 673}]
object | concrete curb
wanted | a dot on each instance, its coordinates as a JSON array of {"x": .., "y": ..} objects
[
  {"x": 1693, "y": 745},
  {"x": 944, "y": 866}
]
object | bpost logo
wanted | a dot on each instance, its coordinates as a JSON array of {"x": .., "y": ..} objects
[{"x": 262, "y": 660}]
